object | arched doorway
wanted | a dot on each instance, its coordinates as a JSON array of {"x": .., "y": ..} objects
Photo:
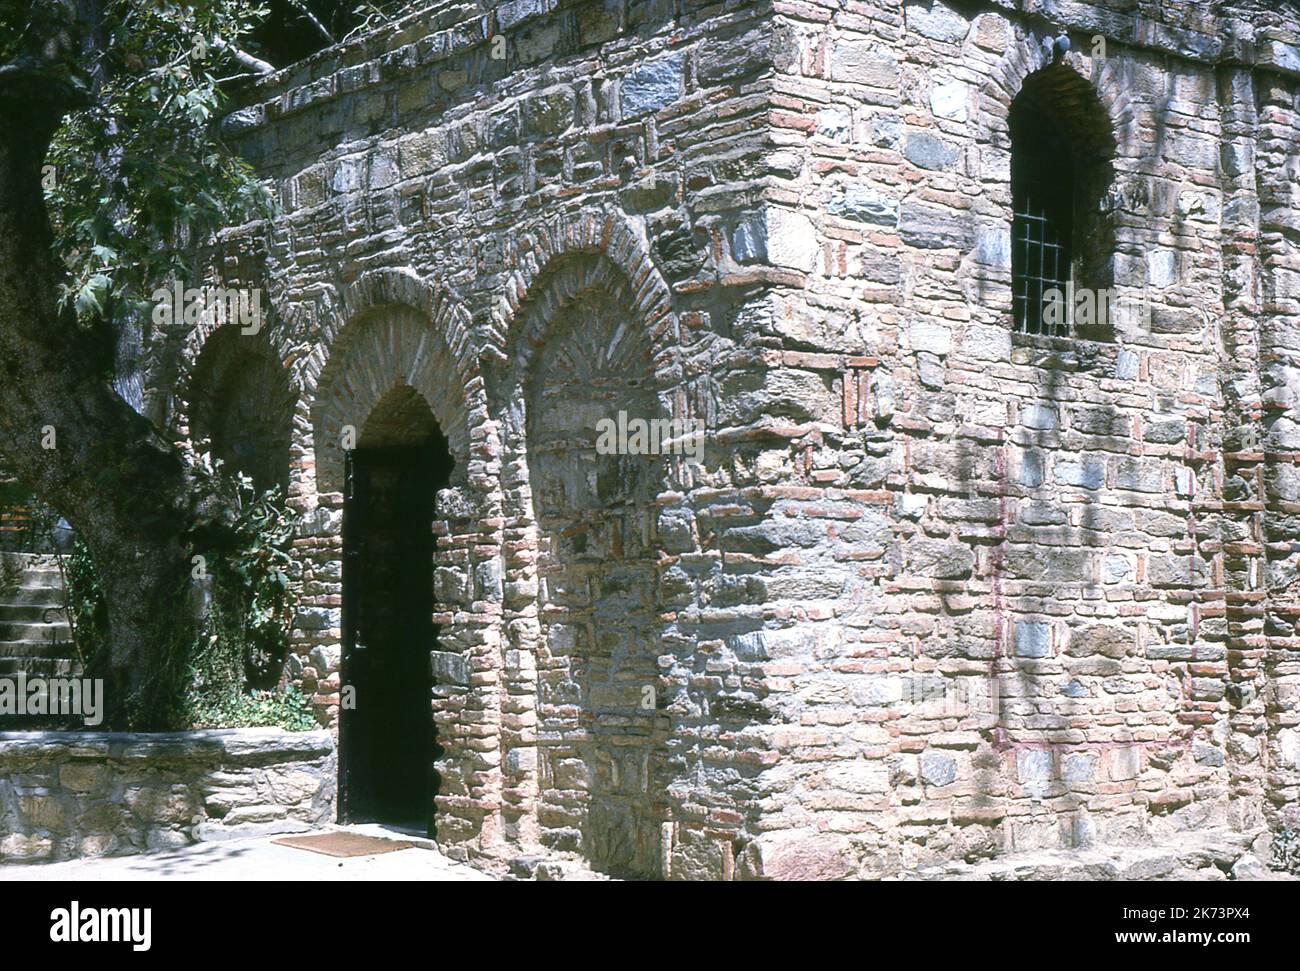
[{"x": 387, "y": 741}]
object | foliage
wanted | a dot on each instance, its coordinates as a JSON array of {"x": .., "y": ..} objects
[
  {"x": 1286, "y": 850},
  {"x": 250, "y": 598},
  {"x": 30, "y": 524},
  {"x": 368, "y": 16},
  {"x": 137, "y": 179},
  {"x": 244, "y": 634},
  {"x": 253, "y": 596},
  {"x": 138, "y": 174},
  {"x": 10, "y": 576},
  {"x": 286, "y": 708},
  {"x": 141, "y": 171},
  {"x": 85, "y": 606},
  {"x": 298, "y": 28}
]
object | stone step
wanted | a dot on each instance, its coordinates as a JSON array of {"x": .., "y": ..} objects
[
  {"x": 36, "y": 666},
  {"x": 30, "y": 582},
  {"x": 30, "y": 561},
  {"x": 37, "y": 649},
  {"x": 31, "y": 613},
  {"x": 35, "y": 637},
  {"x": 38, "y": 646},
  {"x": 47, "y": 596},
  {"x": 45, "y": 572},
  {"x": 20, "y": 630}
]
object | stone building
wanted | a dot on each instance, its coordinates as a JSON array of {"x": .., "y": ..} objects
[{"x": 953, "y": 578}]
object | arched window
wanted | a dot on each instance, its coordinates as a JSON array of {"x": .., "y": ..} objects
[
  {"x": 1061, "y": 233},
  {"x": 241, "y": 405}
]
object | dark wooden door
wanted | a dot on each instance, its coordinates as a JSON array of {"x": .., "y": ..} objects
[{"x": 386, "y": 740}]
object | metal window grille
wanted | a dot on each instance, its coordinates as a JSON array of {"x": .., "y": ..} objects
[
  {"x": 1042, "y": 204},
  {"x": 1040, "y": 257}
]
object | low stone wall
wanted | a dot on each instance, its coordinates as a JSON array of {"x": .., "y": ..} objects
[
  {"x": 1212, "y": 855},
  {"x": 65, "y": 795}
]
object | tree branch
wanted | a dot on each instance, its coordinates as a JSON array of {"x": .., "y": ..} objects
[
  {"x": 27, "y": 79},
  {"x": 303, "y": 9},
  {"x": 243, "y": 57}
]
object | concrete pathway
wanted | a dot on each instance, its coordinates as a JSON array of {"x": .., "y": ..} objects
[{"x": 257, "y": 859}]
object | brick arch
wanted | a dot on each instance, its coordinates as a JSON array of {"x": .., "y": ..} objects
[
  {"x": 1089, "y": 110},
  {"x": 579, "y": 265},
  {"x": 403, "y": 286},
  {"x": 240, "y": 400},
  {"x": 569, "y": 279},
  {"x": 539, "y": 254},
  {"x": 391, "y": 329},
  {"x": 585, "y": 327},
  {"x": 1101, "y": 77},
  {"x": 272, "y": 334}
]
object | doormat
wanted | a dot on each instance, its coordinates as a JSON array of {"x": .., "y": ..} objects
[{"x": 344, "y": 844}]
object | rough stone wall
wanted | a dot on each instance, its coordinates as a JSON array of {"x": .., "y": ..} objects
[
  {"x": 1078, "y": 521},
  {"x": 1268, "y": 675},
  {"x": 68, "y": 795},
  {"x": 791, "y": 220},
  {"x": 597, "y": 567}
]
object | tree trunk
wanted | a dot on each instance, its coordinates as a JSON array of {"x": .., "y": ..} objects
[{"x": 124, "y": 489}]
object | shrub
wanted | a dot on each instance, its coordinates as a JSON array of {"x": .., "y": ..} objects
[
  {"x": 286, "y": 708},
  {"x": 250, "y": 597}
]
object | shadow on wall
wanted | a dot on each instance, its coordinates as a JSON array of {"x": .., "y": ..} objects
[
  {"x": 241, "y": 404},
  {"x": 1055, "y": 537},
  {"x": 598, "y": 660}
]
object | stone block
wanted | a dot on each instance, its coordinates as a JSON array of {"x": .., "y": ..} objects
[
  {"x": 521, "y": 760},
  {"x": 791, "y": 240},
  {"x": 1040, "y": 417},
  {"x": 676, "y": 530},
  {"x": 549, "y": 113},
  {"x": 859, "y": 776},
  {"x": 514, "y": 12},
  {"x": 449, "y": 668},
  {"x": 948, "y": 99},
  {"x": 927, "y": 151},
  {"x": 653, "y": 85},
  {"x": 1172, "y": 570},
  {"x": 450, "y": 585},
  {"x": 862, "y": 62},
  {"x": 929, "y": 226},
  {"x": 1088, "y": 474},
  {"x": 938, "y": 768},
  {"x": 1034, "y": 771},
  {"x": 993, "y": 247},
  {"x": 797, "y": 855},
  {"x": 1106, "y": 640},
  {"x": 1123, "y": 762},
  {"x": 1030, "y": 471},
  {"x": 863, "y": 204},
  {"x": 1033, "y": 638},
  {"x": 927, "y": 336},
  {"x": 935, "y": 20},
  {"x": 83, "y": 777},
  {"x": 938, "y": 559},
  {"x": 1162, "y": 268},
  {"x": 1079, "y": 766},
  {"x": 698, "y": 856}
]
